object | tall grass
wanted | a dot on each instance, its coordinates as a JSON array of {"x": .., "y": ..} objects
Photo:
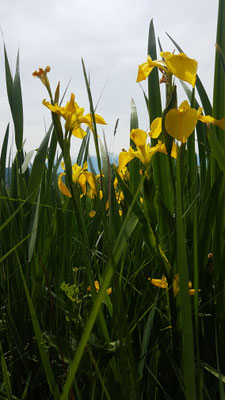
[{"x": 63, "y": 338}]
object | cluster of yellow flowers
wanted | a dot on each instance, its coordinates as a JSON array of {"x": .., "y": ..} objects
[
  {"x": 179, "y": 122},
  {"x": 163, "y": 284}
]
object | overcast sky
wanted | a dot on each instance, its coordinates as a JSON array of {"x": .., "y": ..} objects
[{"x": 111, "y": 36}]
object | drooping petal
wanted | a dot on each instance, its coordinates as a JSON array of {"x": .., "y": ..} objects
[
  {"x": 161, "y": 283},
  {"x": 62, "y": 186},
  {"x": 143, "y": 71},
  {"x": 124, "y": 158},
  {"x": 138, "y": 136},
  {"x": 207, "y": 119},
  {"x": 82, "y": 182},
  {"x": 174, "y": 151},
  {"x": 146, "y": 68},
  {"x": 181, "y": 66},
  {"x": 56, "y": 109},
  {"x": 180, "y": 123},
  {"x": 87, "y": 119},
  {"x": 91, "y": 180},
  {"x": 156, "y": 128},
  {"x": 79, "y": 132}
]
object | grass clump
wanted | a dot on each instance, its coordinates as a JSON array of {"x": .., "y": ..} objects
[{"x": 112, "y": 281}]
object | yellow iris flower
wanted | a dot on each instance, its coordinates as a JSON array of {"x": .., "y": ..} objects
[
  {"x": 181, "y": 122},
  {"x": 179, "y": 65},
  {"x": 97, "y": 287},
  {"x": 163, "y": 284},
  {"x": 144, "y": 151},
  {"x": 80, "y": 175},
  {"x": 73, "y": 114}
]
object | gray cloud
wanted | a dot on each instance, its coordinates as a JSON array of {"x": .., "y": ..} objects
[{"x": 111, "y": 36}]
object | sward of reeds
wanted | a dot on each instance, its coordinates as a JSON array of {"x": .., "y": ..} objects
[{"x": 112, "y": 280}]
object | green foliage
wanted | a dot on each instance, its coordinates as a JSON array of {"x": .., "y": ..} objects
[{"x": 81, "y": 314}]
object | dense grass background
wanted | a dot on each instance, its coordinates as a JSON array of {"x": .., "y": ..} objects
[{"x": 59, "y": 340}]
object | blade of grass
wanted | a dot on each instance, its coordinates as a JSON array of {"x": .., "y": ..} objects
[
  {"x": 135, "y": 165},
  {"x": 44, "y": 357},
  {"x": 3, "y": 153},
  {"x": 6, "y": 380},
  {"x": 126, "y": 231},
  {"x": 146, "y": 338},
  {"x": 38, "y": 167},
  {"x": 185, "y": 305},
  {"x": 17, "y": 108},
  {"x": 216, "y": 147},
  {"x": 32, "y": 229}
]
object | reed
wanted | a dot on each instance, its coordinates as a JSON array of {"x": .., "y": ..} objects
[{"x": 112, "y": 282}]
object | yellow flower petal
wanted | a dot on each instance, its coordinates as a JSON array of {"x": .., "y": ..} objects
[
  {"x": 143, "y": 71},
  {"x": 100, "y": 194},
  {"x": 146, "y": 68},
  {"x": 124, "y": 158},
  {"x": 207, "y": 119},
  {"x": 181, "y": 66},
  {"x": 97, "y": 287},
  {"x": 82, "y": 182},
  {"x": 180, "y": 123},
  {"x": 161, "y": 283},
  {"x": 156, "y": 128},
  {"x": 92, "y": 213},
  {"x": 174, "y": 151},
  {"x": 87, "y": 119},
  {"x": 73, "y": 115},
  {"x": 62, "y": 185},
  {"x": 79, "y": 132},
  {"x": 138, "y": 136},
  {"x": 176, "y": 287}
]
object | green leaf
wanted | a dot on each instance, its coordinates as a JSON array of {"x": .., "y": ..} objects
[
  {"x": 9, "y": 79},
  {"x": 26, "y": 162},
  {"x": 83, "y": 152},
  {"x": 185, "y": 305},
  {"x": 17, "y": 108},
  {"x": 44, "y": 357},
  {"x": 32, "y": 229},
  {"x": 6, "y": 380},
  {"x": 13, "y": 248},
  {"x": 146, "y": 338},
  {"x": 154, "y": 97},
  {"x": 216, "y": 147},
  {"x": 3, "y": 153},
  {"x": 135, "y": 165},
  {"x": 38, "y": 168},
  {"x": 221, "y": 55}
]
